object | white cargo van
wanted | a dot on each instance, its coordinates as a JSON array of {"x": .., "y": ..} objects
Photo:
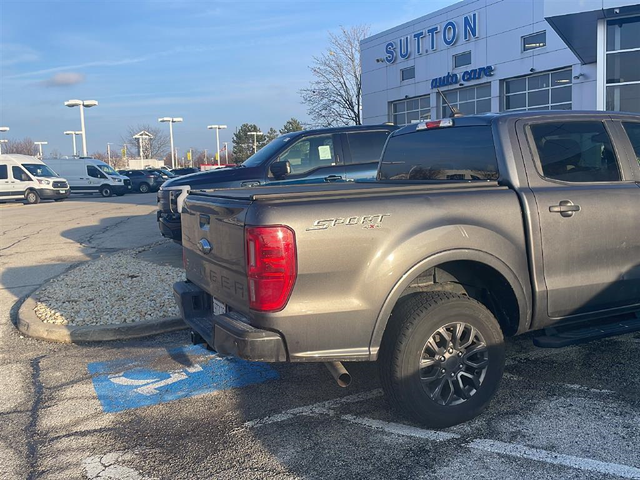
[
  {"x": 26, "y": 178},
  {"x": 90, "y": 175}
]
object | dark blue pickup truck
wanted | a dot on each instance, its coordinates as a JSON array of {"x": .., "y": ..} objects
[{"x": 310, "y": 156}]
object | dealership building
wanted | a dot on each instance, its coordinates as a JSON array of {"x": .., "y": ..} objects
[{"x": 505, "y": 55}]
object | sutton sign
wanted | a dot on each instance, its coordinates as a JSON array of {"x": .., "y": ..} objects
[{"x": 422, "y": 44}]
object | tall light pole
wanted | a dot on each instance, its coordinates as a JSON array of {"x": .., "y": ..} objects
[
  {"x": 171, "y": 121},
  {"x": 4, "y": 140},
  {"x": 82, "y": 104},
  {"x": 40, "y": 147},
  {"x": 217, "y": 128},
  {"x": 255, "y": 140},
  {"x": 109, "y": 152},
  {"x": 73, "y": 133},
  {"x": 226, "y": 153}
]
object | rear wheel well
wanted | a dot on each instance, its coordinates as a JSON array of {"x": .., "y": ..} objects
[{"x": 476, "y": 280}]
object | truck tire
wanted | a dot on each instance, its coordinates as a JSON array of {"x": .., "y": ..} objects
[
  {"x": 144, "y": 187},
  {"x": 105, "y": 191},
  {"x": 441, "y": 358},
  {"x": 32, "y": 197}
]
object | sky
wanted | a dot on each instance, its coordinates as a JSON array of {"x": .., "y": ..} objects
[{"x": 210, "y": 62}]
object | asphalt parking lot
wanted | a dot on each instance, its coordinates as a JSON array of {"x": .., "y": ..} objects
[{"x": 162, "y": 408}]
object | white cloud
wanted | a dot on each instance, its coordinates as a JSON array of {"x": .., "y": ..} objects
[{"x": 64, "y": 79}]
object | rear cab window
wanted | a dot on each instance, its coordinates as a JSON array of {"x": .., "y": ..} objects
[
  {"x": 464, "y": 153},
  {"x": 365, "y": 147},
  {"x": 3, "y": 172},
  {"x": 575, "y": 151},
  {"x": 633, "y": 132}
]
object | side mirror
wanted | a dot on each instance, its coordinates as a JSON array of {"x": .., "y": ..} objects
[
  {"x": 280, "y": 169},
  {"x": 25, "y": 177}
]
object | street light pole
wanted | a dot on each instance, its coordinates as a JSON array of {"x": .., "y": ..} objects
[
  {"x": 40, "y": 147},
  {"x": 226, "y": 153},
  {"x": 109, "y": 152},
  {"x": 4, "y": 140},
  {"x": 171, "y": 121},
  {"x": 73, "y": 134},
  {"x": 255, "y": 140},
  {"x": 82, "y": 104},
  {"x": 217, "y": 128}
]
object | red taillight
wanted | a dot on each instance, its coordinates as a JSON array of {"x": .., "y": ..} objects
[
  {"x": 271, "y": 266},
  {"x": 428, "y": 125}
]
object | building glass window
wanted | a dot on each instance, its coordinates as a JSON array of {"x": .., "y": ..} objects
[
  {"x": 469, "y": 100},
  {"x": 531, "y": 42},
  {"x": 462, "y": 59},
  {"x": 408, "y": 73},
  {"x": 623, "y": 65},
  {"x": 411, "y": 110},
  {"x": 542, "y": 91}
]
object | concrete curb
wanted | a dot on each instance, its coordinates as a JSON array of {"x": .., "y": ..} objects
[{"x": 29, "y": 324}]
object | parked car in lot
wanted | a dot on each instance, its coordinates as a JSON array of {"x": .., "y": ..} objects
[
  {"x": 178, "y": 172},
  {"x": 479, "y": 228},
  {"x": 23, "y": 177},
  {"x": 164, "y": 173},
  {"x": 143, "y": 181},
  {"x": 310, "y": 156},
  {"x": 90, "y": 175}
]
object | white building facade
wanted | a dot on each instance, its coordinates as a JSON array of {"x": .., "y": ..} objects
[{"x": 505, "y": 55}]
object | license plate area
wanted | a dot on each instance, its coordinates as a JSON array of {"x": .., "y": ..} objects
[{"x": 219, "y": 308}]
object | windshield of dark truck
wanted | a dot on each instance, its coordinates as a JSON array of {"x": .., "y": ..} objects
[
  {"x": 450, "y": 153},
  {"x": 265, "y": 153}
]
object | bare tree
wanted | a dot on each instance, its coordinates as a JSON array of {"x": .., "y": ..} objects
[
  {"x": 23, "y": 147},
  {"x": 334, "y": 96},
  {"x": 155, "y": 147}
]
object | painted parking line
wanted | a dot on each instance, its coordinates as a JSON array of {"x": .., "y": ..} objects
[
  {"x": 316, "y": 408},
  {"x": 133, "y": 383},
  {"x": 529, "y": 453},
  {"x": 401, "y": 429}
]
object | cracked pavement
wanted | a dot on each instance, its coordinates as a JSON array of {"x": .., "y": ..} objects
[{"x": 567, "y": 413}]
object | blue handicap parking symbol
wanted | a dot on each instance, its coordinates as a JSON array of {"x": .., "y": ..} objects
[{"x": 133, "y": 383}]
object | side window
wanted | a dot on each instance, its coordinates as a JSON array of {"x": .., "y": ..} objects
[
  {"x": 310, "y": 153},
  {"x": 575, "y": 152},
  {"x": 633, "y": 132},
  {"x": 366, "y": 147},
  {"x": 94, "y": 172},
  {"x": 137, "y": 174},
  {"x": 451, "y": 153},
  {"x": 4, "y": 172},
  {"x": 19, "y": 174}
]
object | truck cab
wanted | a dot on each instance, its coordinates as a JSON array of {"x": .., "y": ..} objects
[{"x": 307, "y": 157}]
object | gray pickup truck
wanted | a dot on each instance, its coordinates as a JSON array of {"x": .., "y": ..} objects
[{"x": 479, "y": 228}]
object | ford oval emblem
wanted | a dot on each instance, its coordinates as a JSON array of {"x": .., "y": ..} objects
[{"x": 204, "y": 246}]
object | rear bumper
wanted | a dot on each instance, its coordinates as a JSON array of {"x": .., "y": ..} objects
[
  {"x": 227, "y": 334},
  {"x": 169, "y": 226}
]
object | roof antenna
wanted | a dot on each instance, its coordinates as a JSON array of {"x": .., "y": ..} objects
[{"x": 455, "y": 113}]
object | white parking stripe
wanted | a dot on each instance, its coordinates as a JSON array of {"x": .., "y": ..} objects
[
  {"x": 545, "y": 456},
  {"x": 315, "y": 409},
  {"x": 400, "y": 429}
]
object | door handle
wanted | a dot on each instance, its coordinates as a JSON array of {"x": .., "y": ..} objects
[
  {"x": 250, "y": 183},
  {"x": 566, "y": 208},
  {"x": 333, "y": 178}
]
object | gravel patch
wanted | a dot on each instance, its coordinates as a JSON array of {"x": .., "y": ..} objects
[{"x": 114, "y": 289}]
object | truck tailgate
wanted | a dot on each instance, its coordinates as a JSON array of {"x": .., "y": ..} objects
[{"x": 214, "y": 247}]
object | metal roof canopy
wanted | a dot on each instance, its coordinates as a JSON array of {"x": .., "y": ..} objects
[{"x": 579, "y": 29}]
